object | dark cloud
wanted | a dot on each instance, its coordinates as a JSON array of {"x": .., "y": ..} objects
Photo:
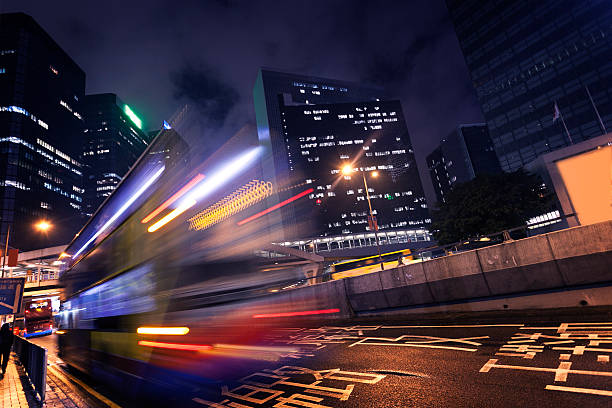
[
  {"x": 201, "y": 87},
  {"x": 138, "y": 50}
]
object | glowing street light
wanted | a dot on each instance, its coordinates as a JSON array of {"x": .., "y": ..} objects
[
  {"x": 43, "y": 226},
  {"x": 347, "y": 169}
]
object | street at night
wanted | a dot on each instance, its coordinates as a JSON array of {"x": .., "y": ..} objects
[
  {"x": 313, "y": 203},
  {"x": 387, "y": 364}
]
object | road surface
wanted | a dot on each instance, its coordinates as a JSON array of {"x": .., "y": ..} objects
[{"x": 388, "y": 364}]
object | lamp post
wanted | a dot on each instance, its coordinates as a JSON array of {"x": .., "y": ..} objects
[
  {"x": 42, "y": 226},
  {"x": 347, "y": 170}
]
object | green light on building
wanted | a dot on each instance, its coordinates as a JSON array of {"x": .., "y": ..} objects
[{"x": 132, "y": 116}]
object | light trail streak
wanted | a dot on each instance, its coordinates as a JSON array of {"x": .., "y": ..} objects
[
  {"x": 185, "y": 205},
  {"x": 172, "y": 199},
  {"x": 177, "y": 331},
  {"x": 292, "y": 314},
  {"x": 276, "y": 206},
  {"x": 123, "y": 208},
  {"x": 246, "y": 196},
  {"x": 175, "y": 346}
]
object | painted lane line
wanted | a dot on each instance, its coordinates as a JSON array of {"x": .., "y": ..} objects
[
  {"x": 563, "y": 371},
  {"x": 62, "y": 376},
  {"x": 488, "y": 365},
  {"x": 579, "y": 350},
  {"x": 558, "y": 342},
  {"x": 564, "y": 356},
  {"x": 579, "y": 390},
  {"x": 603, "y": 359},
  {"x": 491, "y": 364},
  {"x": 414, "y": 345}
]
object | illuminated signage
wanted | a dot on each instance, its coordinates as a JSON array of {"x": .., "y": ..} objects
[{"x": 132, "y": 116}]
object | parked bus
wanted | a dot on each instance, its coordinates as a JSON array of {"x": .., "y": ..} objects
[
  {"x": 369, "y": 264},
  {"x": 38, "y": 318}
]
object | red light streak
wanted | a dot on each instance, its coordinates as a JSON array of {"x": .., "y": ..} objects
[
  {"x": 276, "y": 206},
  {"x": 290, "y": 314},
  {"x": 172, "y": 199},
  {"x": 175, "y": 346}
]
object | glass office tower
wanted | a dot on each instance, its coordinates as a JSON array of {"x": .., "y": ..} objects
[
  {"x": 113, "y": 140},
  {"x": 542, "y": 71},
  {"x": 41, "y": 89},
  {"x": 371, "y": 138},
  {"x": 461, "y": 156}
]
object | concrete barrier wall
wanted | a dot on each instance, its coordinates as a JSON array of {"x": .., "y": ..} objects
[
  {"x": 520, "y": 266},
  {"x": 554, "y": 261},
  {"x": 583, "y": 253}
]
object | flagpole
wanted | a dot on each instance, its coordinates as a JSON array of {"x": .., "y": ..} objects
[
  {"x": 565, "y": 127},
  {"x": 8, "y": 233},
  {"x": 558, "y": 112},
  {"x": 596, "y": 111}
]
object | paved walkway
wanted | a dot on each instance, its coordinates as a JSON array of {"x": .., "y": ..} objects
[{"x": 17, "y": 391}]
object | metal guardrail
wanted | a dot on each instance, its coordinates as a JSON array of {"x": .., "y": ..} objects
[{"x": 34, "y": 360}]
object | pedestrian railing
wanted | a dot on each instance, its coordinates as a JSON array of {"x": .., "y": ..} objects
[{"x": 34, "y": 360}]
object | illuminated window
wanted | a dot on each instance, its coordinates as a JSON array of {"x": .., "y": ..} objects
[{"x": 45, "y": 205}]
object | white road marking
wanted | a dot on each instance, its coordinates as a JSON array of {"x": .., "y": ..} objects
[
  {"x": 580, "y": 390},
  {"x": 564, "y": 356},
  {"x": 579, "y": 350},
  {"x": 563, "y": 371},
  {"x": 603, "y": 359},
  {"x": 558, "y": 342},
  {"x": 491, "y": 364},
  {"x": 488, "y": 365}
]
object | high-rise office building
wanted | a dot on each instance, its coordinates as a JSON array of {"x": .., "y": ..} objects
[
  {"x": 371, "y": 138},
  {"x": 273, "y": 90},
  {"x": 542, "y": 71},
  {"x": 315, "y": 126},
  {"x": 41, "y": 88},
  {"x": 461, "y": 156},
  {"x": 113, "y": 140}
]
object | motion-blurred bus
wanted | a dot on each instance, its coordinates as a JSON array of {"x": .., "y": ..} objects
[{"x": 167, "y": 285}]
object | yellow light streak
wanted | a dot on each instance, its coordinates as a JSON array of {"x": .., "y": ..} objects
[
  {"x": 244, "y": 197},
  {"x": 176, "y": 331},
  {"x": 172, "y": 215}
]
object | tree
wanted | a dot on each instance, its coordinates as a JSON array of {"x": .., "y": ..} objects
[{"x": 488, "y": 204}]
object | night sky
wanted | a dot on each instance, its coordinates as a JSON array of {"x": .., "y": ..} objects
[{"x": 157, "y": 55}]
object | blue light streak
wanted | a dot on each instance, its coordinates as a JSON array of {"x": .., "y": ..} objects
[{"x": 123, "y": 208}]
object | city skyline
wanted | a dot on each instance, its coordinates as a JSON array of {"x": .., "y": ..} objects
[{"x": 425, "y": 70}]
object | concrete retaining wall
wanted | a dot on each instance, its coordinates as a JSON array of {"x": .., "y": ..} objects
[{"x": 560, "y": 260}]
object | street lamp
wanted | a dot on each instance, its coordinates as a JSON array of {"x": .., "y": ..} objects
[
  {"x": 43, "y": 226},
  {"x": 347, "y": 170}
]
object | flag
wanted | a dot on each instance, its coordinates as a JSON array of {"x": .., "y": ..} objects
[
  {"x": 13, "y": 256},
  {"x": 556, "y": 113}
]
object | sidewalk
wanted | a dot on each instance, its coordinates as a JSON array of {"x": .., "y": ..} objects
[{"x": 17, "y": 392}]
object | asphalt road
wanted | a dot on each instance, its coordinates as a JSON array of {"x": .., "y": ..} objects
[
  {"x": 384, "y": 363},
  {"x": 50, "y": 343}
]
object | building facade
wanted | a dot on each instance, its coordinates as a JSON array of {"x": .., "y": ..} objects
[
  {"x": 314, "y": 127},
  {"x": 371, "y": 138},
  {"x": 41, "y": 89},
  {"x": 542, "y": 71},
  {"x": 113, "y": 141},
  {"x": 461, "y": 156}
]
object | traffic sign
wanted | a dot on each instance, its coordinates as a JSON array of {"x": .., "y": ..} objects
[{"x": 11, "y": 295}]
